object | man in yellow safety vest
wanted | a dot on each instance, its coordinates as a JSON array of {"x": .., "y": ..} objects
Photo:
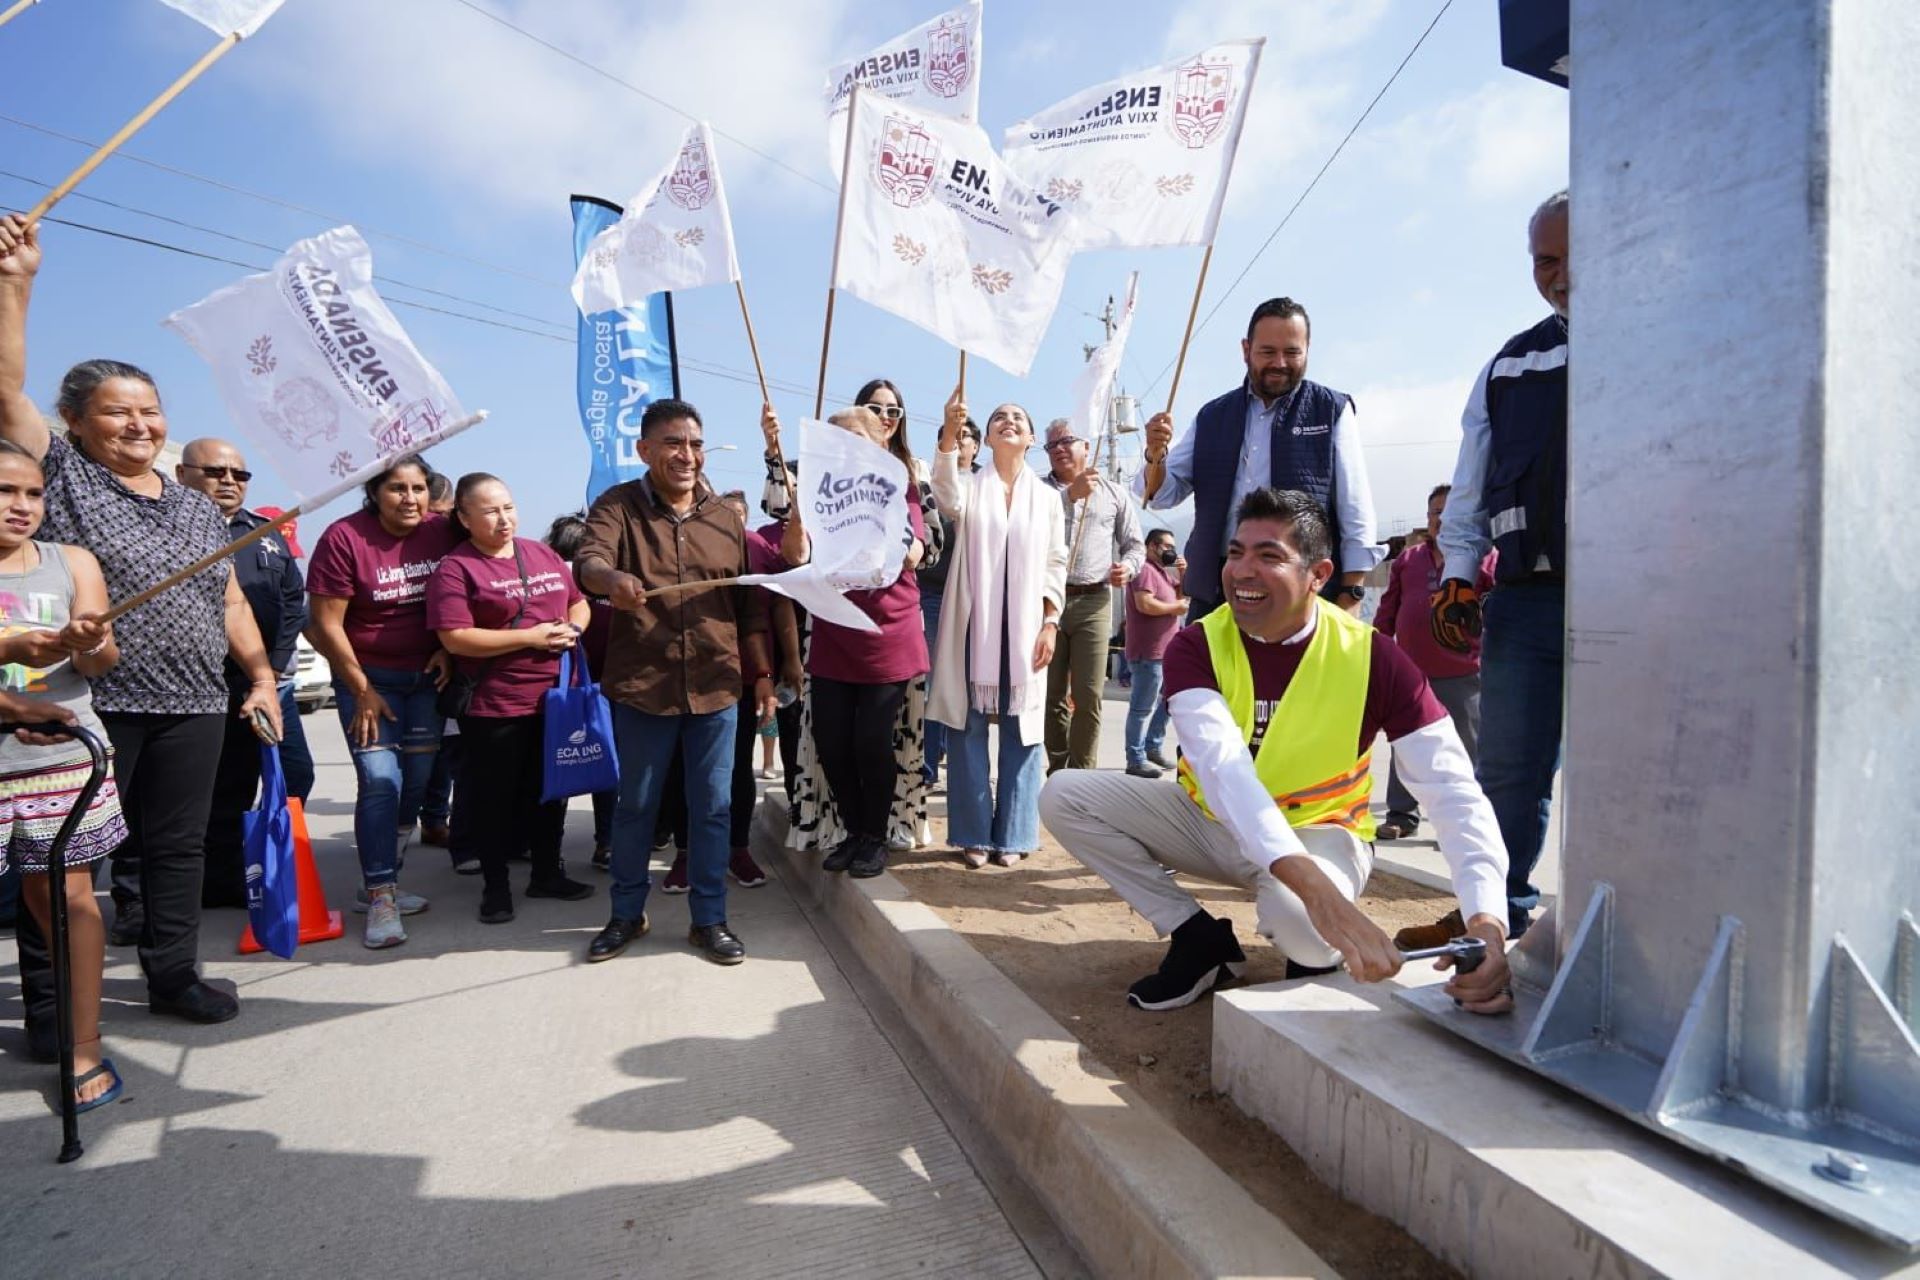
[{"x": 1276, "y": 699}]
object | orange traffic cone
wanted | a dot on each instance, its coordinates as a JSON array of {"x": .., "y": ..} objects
[{"x": 317, "y": 924}]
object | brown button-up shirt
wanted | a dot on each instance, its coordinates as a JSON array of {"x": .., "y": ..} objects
[{"x": 680, "y": 653}]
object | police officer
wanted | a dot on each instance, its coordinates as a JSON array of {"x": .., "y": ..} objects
[{"x": 270, "y": 579}]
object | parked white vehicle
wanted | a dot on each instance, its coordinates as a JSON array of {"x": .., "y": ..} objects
[{"x": 312, "y": 678}]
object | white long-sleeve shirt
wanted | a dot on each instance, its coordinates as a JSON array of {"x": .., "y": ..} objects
[
  {"x": 1432, "y": 762},
  {"x": 1352, "y": 490}
]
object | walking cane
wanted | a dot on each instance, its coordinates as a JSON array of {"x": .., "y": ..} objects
[{"x": 70, "y": 1148}]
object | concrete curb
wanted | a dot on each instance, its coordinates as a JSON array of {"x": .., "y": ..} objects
[{"x": 1135, "y": 1197}]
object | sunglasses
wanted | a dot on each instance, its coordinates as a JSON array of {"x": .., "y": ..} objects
[
  {"x": 887, "y": 412},
  {"x": 221, "y": 473},
  {"x": 1062, "y": 442}
]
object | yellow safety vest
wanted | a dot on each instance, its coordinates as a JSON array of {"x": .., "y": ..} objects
[{"x": 1306, "y": 760}]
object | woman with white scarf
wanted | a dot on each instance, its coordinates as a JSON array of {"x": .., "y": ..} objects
[{"x": 997, "y": 629}]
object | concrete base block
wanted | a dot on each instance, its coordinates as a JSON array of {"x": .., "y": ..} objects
[
  {"x": 1492, "y": 1168},
  {"x": 1134, "y": 1196}
]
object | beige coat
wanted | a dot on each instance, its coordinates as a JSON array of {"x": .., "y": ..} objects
[{"x": 947, "y": 700}]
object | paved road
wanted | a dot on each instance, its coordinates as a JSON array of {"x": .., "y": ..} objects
[{"x": 479, "y": 1103}]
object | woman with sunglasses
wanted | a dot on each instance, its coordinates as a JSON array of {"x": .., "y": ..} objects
[{"x": 834, "y": 655}]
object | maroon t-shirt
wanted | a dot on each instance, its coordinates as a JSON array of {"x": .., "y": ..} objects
[
  {"x": 1149, "y": 634},
  {"x": 898, "y": 651},
  {"x": 383, "y": 579},
  {"x": 474, "y": 589},
  {"x": 1398, "y": 699}
]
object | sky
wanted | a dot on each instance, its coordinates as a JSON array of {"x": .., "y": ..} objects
[{"x": 453, "y": 143}]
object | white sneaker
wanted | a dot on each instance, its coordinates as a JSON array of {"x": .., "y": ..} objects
[
  {"x": 410, "y": 904},
  {"x": 383, "y": 921}
]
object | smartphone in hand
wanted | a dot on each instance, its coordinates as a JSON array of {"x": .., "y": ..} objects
[{"x": 263, "y": 727}]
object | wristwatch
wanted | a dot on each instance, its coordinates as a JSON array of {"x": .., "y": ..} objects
[{"x": 1350, "y": 593}]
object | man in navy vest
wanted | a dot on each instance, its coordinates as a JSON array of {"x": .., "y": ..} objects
[
  {"x": 1276, "y": 430},
  {"x": 1510, "y": 492}
]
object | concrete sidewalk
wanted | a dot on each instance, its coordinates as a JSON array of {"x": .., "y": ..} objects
[{"x": 478, "y": 1102}]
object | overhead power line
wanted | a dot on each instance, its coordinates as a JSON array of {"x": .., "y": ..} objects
[
  {"x": 1302, "y": 199},
  {"x": 654, "y": 98},
  {"x": 333, "y": 219}
]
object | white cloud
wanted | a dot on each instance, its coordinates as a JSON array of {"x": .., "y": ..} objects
[
  {"x": 1411, "y": 436},
  {"x": 440, "y": 92},
  {"x": 1507, "y": 137}
]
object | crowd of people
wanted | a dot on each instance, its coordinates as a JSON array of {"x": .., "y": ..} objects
[{"x": 444, "y": 628}]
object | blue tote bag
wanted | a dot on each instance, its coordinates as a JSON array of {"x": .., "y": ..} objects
[
  {"x": 273, "y": 891},
  {"x": 579, "y": 756}
]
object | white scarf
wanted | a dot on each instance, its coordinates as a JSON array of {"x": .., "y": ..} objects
[{"x": 1006, "y": 553}]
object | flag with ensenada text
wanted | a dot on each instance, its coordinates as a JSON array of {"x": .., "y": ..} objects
[
  {"x": 1143, "y": 160},
  {"x": 935, "y": 67},
  {"x": 937, "y": 230},
  {"x": 315, "y": 371},
  {"x": 676, "y": 234},
  {"x": 227, "y": 17}
]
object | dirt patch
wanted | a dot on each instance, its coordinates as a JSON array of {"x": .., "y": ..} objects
[{"x": 1061, "y": 935}]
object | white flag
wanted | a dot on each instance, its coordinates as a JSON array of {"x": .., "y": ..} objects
[
  {"x": 1093, "y": 389},
  {"x": 939, "y": 231},
  {"x": 935, "y": 66},
  {"x": 853, "y": 503},
  {"x": 315, "y": 371},
  {"x": 1144, "y": 159},
  {"x": 227, "y": 17},
  {"x": 675, "y": 234}
]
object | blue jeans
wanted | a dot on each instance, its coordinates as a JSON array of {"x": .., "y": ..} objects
[
  {"x": 392, "y": 773},
  {"x": 936, "y": 750},
  {"x": 648, "y": 745},
  {"x": 978, "y": 816},
  {"x": 1522, "y": 694},
  {"x": 296, "y": 757},
  {"x": 1146, "y": 713}
]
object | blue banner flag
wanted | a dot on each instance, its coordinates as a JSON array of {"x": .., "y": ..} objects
[{"x": 627, "y": 361}]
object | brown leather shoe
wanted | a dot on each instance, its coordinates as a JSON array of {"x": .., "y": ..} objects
[{"x": 1438, "y": 934}]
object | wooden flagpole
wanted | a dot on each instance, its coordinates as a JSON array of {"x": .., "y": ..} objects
[
  {"x": 688, "y": 586},
  {"x": 15, "y": 10},
  {"x": 314, "y": 503},
  {"x": 839, "y": 226},
  {"x": 131, "y": 127},
  {"x": 963, "y": 375},
  {"x": 1193, "y": 313},
  {"x": 766, "y": 398}
]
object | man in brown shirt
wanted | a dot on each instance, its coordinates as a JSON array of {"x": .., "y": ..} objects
[{"x": 673, "y": 669}]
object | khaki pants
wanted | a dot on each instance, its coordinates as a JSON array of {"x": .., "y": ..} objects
[
  {"x": 1132, "y": 832},
  {"x": 1079, "y": 664}
]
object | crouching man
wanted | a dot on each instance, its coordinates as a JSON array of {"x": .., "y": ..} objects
[{"x": 1276, "y": 698}]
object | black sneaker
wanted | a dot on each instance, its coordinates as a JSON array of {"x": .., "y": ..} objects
[
  {"x": 1203, "y": 951},
  {"x": 555, "y": 884},
  {"x": 842, "y": 856},
  {"x": 869, "y": 859},
  {"x": 496, "y": 905},
  {"x": 718, "y": 942}
]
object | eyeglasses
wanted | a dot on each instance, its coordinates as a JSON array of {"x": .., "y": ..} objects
[
  {"x": 888, "y": 412},
  {"x": 1062, "y": 442},
  {"x": 220, "y": 473}
]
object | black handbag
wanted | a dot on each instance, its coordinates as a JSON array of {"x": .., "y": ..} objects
[{"x": 455, "y": 698}]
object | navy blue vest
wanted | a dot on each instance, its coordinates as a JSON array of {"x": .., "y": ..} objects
[
  {"x": 1300, "y": 456},
  {"x": 1526, "y": 482}
]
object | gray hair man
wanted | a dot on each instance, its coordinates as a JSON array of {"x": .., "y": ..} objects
[{"x": 1106, "y": 553}]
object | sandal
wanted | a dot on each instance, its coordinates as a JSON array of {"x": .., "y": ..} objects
[
  {"x": 106, "y": 1067},
  {"x": 974, "y": 858}
]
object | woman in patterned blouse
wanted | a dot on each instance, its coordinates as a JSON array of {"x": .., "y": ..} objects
[{"x": 162, "y": 705}]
